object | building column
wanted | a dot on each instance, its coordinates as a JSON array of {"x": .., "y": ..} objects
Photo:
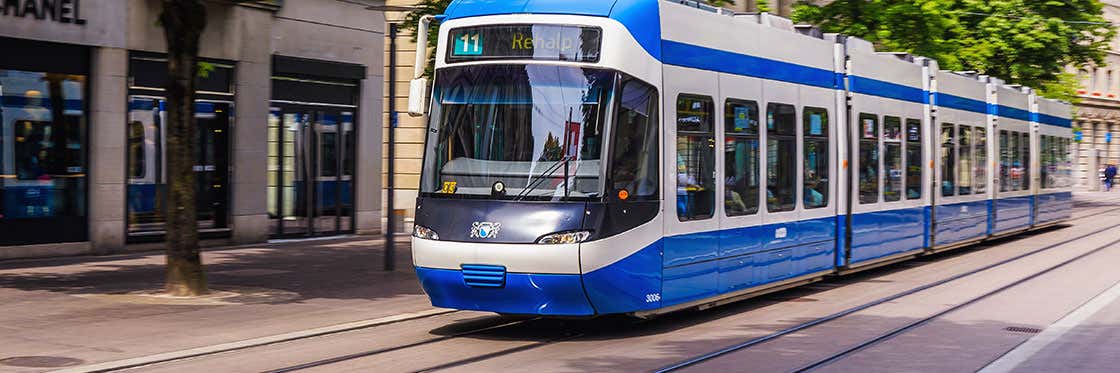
[
  {"x": 1114, "y": 146},
  {"x": 107, "y": 152},
  {"x": 371, "y": 132},
  {"x": 250, "y": 131}
]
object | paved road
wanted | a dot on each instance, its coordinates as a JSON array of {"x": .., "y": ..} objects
[
  {"x": 326, "y": 306},
  {"x": 965, "y": 335}
]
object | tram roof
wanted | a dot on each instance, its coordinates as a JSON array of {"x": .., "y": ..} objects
[{"x": 472, "y": 8}]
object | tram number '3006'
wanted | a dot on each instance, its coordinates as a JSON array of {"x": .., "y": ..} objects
[{"x": 651, "y": 298}]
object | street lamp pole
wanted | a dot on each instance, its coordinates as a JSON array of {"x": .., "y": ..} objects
[{"x": 390, "y": 240}]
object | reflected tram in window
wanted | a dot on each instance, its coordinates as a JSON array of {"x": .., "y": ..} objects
[{"x": 627, "y": 157}]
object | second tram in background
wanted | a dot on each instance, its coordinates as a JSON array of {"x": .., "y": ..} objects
[{"x": 577, "y": 152}]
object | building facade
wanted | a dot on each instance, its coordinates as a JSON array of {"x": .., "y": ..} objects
[
  {"x": 1097, "y": 120},
  {"x": 288, "y": 122}
]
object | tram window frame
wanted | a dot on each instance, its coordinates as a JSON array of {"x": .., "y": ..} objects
[
  {"x": 892, "y": 139},
  {"x": 642, "y": 180},
  {"x": 869, "y": 188},
  {"x": 914, "y": 151},
  {"x": 964, "y": 160},
  {"x": 745, "y": 187},
  {"x": 692, "y": 206},
  {"x": 781, "y": 164},
  {"x": 980, "y": 160},
  {"x": 1005, "y": 160},
  {"x": 137, "y": 152},
  {"x": 1067, "y": 162},
  {"x": 948, "y": 160},
  {"x": 1016, "y": 158},
  {"x": 1044, "y": 157},
  {"x": 815, "y": 136},
  {"x": 1025, "y": 143}
]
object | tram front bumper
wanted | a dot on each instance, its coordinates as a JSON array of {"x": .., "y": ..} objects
[
  {"x": 525, "y": 279},
  {"x": 519, "y": 293}
]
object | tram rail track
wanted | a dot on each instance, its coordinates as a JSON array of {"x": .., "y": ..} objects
[
  {"x": 838, "y": 315},
  {"x": 878, "y": 339},
  {"x": 538, "y": 344},
  {"x": 363, "y": 354}
]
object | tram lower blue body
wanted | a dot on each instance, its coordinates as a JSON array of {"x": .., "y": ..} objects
[
  {"x": 882, "y": 234},
  {"x": 961, "y": 222},
  {"x": 701, "y": 267},
  {"x": 1053, "y": 207},
  {"x": 142, "y": 198},
  {"x": 28, "y": 201}
]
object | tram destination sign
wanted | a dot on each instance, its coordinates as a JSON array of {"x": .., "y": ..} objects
[{"x": 537, "y": 42}]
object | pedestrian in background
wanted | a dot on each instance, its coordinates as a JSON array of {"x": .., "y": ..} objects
[{"x": 1109, "y": 176}]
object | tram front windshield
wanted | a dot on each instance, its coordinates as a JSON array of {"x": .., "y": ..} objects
[{"x": 517, "y": 132}]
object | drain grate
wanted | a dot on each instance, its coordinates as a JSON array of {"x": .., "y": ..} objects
[
  {"x": 1023, "y": 329},
  {"x": 40, "y": 361}
]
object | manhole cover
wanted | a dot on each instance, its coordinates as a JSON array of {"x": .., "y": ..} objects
[
  {"x": 40, "y": 361},
  {"x": 1021, "y": 329}
]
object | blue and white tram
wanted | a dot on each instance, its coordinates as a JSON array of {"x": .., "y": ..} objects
[{"x": 577, "y": 151}]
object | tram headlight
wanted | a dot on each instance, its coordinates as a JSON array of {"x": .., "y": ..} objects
[
  {"x": 564, "y": 238},
  {"x": 426, "y": 233}
]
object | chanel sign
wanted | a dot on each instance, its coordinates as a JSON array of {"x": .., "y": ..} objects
[{"x": 61, "y": 11}]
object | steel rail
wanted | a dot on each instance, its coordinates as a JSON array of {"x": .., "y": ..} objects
[
  {"x": 832, "y": 317},
  {"x": 910, "y": 326}
]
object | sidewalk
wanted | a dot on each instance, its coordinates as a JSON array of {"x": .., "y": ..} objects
[{"x": 84, "y": 310}]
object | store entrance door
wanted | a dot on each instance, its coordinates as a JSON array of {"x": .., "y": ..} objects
[{"x": 311, "y": 168}]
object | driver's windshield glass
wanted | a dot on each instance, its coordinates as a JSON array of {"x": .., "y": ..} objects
[{"x": 517, "y": 132}]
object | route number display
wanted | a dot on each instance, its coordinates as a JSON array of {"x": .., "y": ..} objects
[{"x": 535, "y": 42}]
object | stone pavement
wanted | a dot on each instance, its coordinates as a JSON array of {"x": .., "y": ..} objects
[{"x": 84, "y": 310}]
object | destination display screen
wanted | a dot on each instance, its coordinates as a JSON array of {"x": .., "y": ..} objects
[{"x": 537, "y": 42}]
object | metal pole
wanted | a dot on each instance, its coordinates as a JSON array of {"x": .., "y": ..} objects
[{"x": 390, "y": 249}]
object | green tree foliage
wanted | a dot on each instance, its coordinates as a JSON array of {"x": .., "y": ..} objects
[
  {"x": 1029, "y": 42},
  {"x": 412, "y": 20}
]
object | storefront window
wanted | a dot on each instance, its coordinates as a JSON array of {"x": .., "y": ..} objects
[
  {"x": 146, "y": 130},
  {"x": 42, "y": 157},
  {"x": 311, "y": 147}
]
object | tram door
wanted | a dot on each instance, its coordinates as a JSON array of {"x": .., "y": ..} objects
[{"x": 310, "y": 176}]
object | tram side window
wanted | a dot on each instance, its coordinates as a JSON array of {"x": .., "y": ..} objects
[
  {"x": 914, "y": 159},
  {"x": 328, "y": 157},
  {"x": 741, "y": 157},
  {"x": 1025, "y": 142},
  {"x": 868, "y": 158},
  {"x": 1016, "y": 164},
  {"x": 634, "y": 158},
  {"x": 137, "y": 156},
  {"x": 1067, "y": 166},
  {"x": 964, "y": 160},
  {"x": 781, "y": 158},
  {"x": 892, "y": 157},
  {"x": 816, "y": 157},
  {"x": 695, "y": 158},
  {"x": 1005, "y": 161},
  {"x": 948, "y": 160},
  {"x": 980, "y": 175},
  {"x": 1045, "y": 161}
]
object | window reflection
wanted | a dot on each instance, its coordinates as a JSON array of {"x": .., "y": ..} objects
[{"x": 42, "y": 155}]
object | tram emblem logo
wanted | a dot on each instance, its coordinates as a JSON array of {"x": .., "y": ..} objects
[{"x": 485, "y": 229}]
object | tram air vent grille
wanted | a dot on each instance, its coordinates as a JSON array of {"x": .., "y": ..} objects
[{"x": 484, "y": 276}]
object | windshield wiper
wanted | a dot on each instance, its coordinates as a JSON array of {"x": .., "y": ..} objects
[{"x": 562, "y": 163}]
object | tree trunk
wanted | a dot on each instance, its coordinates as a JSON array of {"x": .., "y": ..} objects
[{"x": 183, "y": 22}]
